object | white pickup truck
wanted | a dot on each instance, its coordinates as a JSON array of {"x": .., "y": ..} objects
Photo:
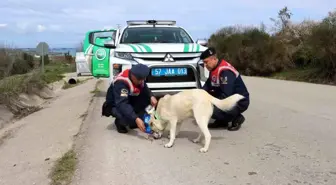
[{"x": 169, "y": 50}]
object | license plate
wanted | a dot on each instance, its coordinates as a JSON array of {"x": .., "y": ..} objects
[{"x": 169, "y": 71}]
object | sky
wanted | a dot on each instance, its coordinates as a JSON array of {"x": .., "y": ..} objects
[{"x": 63, "y": 23}]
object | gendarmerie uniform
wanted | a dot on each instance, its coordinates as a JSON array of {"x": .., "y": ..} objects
[
  {"x": 224, "y": 80},
  {"x": 127, "y": 100}
]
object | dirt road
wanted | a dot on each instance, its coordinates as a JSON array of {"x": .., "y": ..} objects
[{"x": 288, "y": 138}]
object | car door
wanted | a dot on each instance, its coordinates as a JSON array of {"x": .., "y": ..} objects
[
  {"x": 97, "y": 56},
  {"x": 81, "y": 65}
]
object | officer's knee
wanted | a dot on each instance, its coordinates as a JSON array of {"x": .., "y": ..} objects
[
  {"x": 218, "y": 114},
  {"x": 225, "y": 116},
  {"x": 115, "y": 113},
  {"x": 243, "y": 105}
]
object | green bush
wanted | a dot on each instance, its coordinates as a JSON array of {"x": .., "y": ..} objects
[
  {"x": 291, "y": 47},
  {"x": 21, "y": 66},
  {"x": 322, "y": 44},
  {"x": 29, "y": 58},
  {"x": 14, "y": 61},
  {"x": 251, "y": 50},
  {"x": 46, "y": 60}
]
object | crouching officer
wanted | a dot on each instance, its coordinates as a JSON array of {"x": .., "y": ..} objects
[
  {"x": 128, "y": 97},
  {"x": 224, "y": 80}
]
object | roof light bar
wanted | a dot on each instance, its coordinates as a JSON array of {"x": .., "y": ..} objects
[{"x": 150, "y": 22}]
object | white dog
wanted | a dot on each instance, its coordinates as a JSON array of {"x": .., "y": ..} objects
[{"x": 172, "y": 110}]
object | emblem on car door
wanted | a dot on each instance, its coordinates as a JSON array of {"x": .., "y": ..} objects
[
  {"x": 168, "y": 58},
  {"x": 100, "y": 54}
]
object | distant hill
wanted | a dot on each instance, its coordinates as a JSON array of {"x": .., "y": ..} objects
[{"x": 54, "y": 51}]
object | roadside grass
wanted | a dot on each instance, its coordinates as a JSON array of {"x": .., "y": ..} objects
[
  {"x": 308, "y": 74},
  {"x": 22, "y": 83},
  {"x": 96, "y": 90},
  {"x": 4, "y": 137},
  {"x": 12, "y": 86},
  {"x": 17, "y": 84},
  {"x": 54, "y": 72},
  {"x": 64, "y": 169}
]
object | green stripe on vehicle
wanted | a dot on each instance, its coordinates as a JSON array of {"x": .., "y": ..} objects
[
  {"x": 186, "y": 47},
  {"x": 87, "y": 49},
  {"x": 133, "y": 47},
  {"x": 197, "y": 48},
  {"x": 147, "y": 48},
  {"x": 139, "y": 47}
]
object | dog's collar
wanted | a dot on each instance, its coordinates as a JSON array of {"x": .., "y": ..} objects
[{"x": 156, "y": 115}]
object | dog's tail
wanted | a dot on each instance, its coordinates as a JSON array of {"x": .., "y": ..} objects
[{"x": 227, "y": 103}]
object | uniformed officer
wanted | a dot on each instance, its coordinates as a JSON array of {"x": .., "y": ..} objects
[
  {"x": 224, "y": 80},
  {"x": 128, "y": 96}
]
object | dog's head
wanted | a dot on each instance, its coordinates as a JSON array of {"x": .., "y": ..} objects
[{"x": 156, "y": 123}]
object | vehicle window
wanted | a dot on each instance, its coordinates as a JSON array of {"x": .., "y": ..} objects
[
  {"x": 99, "y": 38},
  {"x": 155, "y": 35}
]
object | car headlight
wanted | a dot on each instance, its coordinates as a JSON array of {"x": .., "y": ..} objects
[{"x": 123, "y": 55}]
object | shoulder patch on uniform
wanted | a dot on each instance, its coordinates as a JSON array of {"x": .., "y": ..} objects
[
  {"x": 124, "y": 92},
  {"x": 223, "y": 80}
]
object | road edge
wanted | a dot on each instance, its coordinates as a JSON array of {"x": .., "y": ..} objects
[
  {"x": 11, "y": 127},
  {"x": 63, "y": 170}
]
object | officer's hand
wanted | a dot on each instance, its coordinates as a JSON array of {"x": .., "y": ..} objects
[
  {"x": 140, "y": 124},
  {"x": 153, "y": 101}
]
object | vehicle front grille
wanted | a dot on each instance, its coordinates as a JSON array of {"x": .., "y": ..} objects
[
  {"x": 190, "y": 77},
  {"x": 180, "y": 59},
  {"x": 159, "y": 57}
]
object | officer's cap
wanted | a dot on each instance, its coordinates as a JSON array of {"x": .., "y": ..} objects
[
  {"x": 140, "y": 71},
  {"x": 208, "y": 53}
]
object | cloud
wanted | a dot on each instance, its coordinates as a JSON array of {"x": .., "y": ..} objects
[
  {"x": 2, "y": 25},
  {"x": 108, "y": 27},
  {"x": 22, "y": 25},
  {"x": 63, "y": 23},
  {"x": 40, "y": 28},
  {"x": 56, "y": 28}
]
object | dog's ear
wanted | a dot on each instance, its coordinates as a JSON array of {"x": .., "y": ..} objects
[
  {"x": 166, "y": 96},
  {"x": 151, "y": 120}
]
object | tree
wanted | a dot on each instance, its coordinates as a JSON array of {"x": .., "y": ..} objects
[{"x": 283, "y": 20}]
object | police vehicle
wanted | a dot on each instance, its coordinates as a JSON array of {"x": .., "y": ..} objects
[{"x": 168, "y": 50}]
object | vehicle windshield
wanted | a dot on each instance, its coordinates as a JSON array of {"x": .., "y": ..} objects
[{"x": 155, "y": 35}]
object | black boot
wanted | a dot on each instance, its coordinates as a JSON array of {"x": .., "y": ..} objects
[
  {"x": 218, "y": 124},
  {"x": 236, "y": 123},
  {"x": 120, "y": 128}
]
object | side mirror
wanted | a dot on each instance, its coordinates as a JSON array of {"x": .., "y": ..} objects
[
  {"x": 202, "y": 42},
  {"x": 110, "y": 44}
]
